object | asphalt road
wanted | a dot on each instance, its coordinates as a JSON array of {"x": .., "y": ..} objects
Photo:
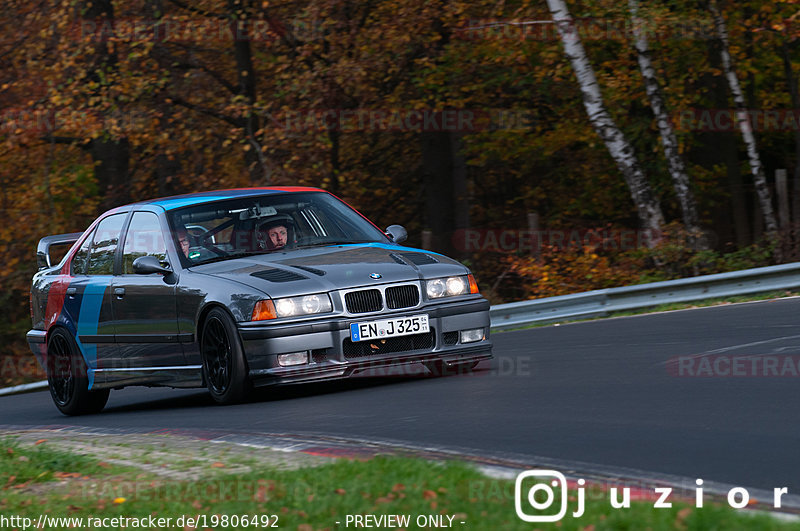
[{"x": 598, "y": 392}]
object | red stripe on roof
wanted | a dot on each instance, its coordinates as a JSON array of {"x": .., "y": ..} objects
[{"x": 266, "y": 188}]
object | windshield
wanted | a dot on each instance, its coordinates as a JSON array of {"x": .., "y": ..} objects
[{"x": 266, "y": 224}]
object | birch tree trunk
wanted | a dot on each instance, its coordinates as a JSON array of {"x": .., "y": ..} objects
[
  {"x": 618, "y": 146},
  {"x": 675, "y": 162},
  {"x": 743, "y": 121}
]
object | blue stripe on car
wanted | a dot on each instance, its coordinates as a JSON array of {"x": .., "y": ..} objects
[
  {"x": 178, "y": 202},
  {"x": 391, "y": 247},
  {"x": 88, "y": 319}
]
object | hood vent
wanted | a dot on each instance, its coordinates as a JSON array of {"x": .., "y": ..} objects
[
  {"x": 419, "y": 258},
  {"x": 312, "y": 270},
  {"x": 398, "y": 259},
  {"x": 278, "y": 275}
]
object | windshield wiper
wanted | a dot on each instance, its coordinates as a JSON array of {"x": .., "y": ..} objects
[
  {"x": 232, "y": 255},
  {"x": 333, "y": 242}
]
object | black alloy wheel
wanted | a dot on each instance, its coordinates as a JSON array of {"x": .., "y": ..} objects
[
  {"x": 67, "y": 377},
  {"x": 224, "y": 366}
]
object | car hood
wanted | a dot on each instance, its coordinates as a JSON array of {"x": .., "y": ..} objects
[{"x": 330, "y": 268}]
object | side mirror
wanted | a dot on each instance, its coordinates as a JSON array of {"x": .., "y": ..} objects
[
  {"x": 145, "y": 265},
  {"x": 397, "y": 233}
]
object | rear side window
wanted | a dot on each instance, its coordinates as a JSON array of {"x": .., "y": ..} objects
[
  {"x": 144, "y": 238},
  {"x": 81, "y": 258},
  {"x": 104, "y": 245}
]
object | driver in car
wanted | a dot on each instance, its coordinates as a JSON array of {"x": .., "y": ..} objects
[
  {"x": 273, "y": 234},
  {"x": 276, "y": 236}
]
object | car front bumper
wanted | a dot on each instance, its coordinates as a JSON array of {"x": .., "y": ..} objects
[{"x": 332, "y": 355}]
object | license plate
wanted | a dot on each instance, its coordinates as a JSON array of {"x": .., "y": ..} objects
[{"x": 399, "y": 326}]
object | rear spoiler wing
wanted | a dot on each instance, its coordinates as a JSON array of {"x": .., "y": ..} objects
[{"x": 43, "y": 249}]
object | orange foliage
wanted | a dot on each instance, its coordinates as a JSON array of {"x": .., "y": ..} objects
[{"x": 564, "y": 271}]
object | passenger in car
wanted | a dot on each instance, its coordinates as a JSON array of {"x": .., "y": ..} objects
[{"x": 183, "y": 240}]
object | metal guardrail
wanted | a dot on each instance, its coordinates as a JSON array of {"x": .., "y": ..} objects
[
  {"x": 601, "y": 302},
  {"x": 25, "y": 388}
]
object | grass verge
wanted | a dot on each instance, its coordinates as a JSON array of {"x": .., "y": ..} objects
[
  {"x": 312, "y": 498},
  {"x": 22, "y": 467}
]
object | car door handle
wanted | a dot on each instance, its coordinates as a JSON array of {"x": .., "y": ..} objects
[
  {"x": 119, "y": 292},
  {"x": 71, "y": 292}
]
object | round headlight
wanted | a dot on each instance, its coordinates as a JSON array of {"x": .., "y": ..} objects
[
  {"x": 456, "y": 286},
  {"x": 312, "y": 304},
  {"x": 435, "y": 288},
  {"x": 284, "y": 307}
]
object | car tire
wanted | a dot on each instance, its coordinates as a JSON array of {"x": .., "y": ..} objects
[
  {"x": 67, "y": 377},
  {"x": 224, "y": 366},
  {"x": 440, "y": 368}
]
